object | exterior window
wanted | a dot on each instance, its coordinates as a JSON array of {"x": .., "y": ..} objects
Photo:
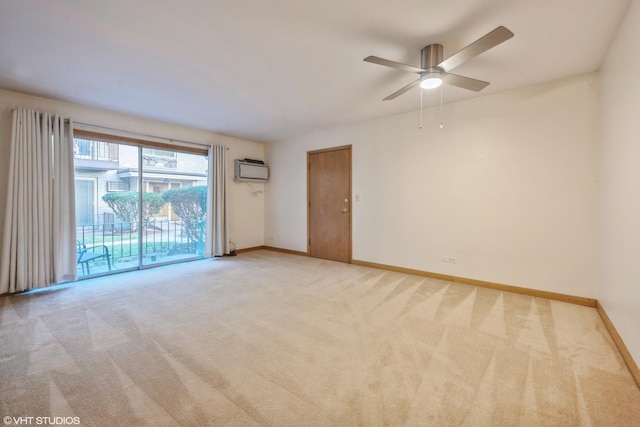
[
  {"x": 159, "y": 153},
  {"x": 155, "y": 158},
  {"x": 85, "y": 201}
]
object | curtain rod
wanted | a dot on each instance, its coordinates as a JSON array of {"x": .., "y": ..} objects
[
  {"x": 136, "y": 134},
  {"x": 140, "y": 134}
]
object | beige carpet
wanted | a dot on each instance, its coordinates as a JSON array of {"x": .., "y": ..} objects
[{"x": 272, "y": 339}]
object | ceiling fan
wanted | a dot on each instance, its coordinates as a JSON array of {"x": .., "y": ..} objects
[{"x": 434, "y": 70}]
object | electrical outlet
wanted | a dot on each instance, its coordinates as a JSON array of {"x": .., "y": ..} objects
[{"x": 449, "y": 260}]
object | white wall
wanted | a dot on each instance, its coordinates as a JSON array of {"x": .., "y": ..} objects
[
  {"x": 507, "y": 187},
  {"x": 246, "y": 209},
  {"x": 619, "y": 256}
]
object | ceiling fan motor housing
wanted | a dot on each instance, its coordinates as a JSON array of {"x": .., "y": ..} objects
[{"x": 431, "y": 56}]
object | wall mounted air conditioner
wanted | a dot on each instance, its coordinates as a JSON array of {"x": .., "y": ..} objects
[{"x": 251, "y": 170}]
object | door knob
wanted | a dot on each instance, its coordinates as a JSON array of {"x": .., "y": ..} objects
[{"x": 345, "y": 210}]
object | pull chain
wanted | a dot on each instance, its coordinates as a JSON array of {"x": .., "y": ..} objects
[
  {"x": 420, "y": 127},
  {"x": 441, "y": 124}
]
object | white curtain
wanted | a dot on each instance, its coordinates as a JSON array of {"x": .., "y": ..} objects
[
  {"x": 217, "y": 213},
  {"x": 39, "y": 238}
]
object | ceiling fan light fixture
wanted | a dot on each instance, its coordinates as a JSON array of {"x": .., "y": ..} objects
[{"x": 431, "y": 81}]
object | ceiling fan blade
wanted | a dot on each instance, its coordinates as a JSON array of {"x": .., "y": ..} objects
[
  {"x": 393, "y": 64},
  {"x": 484, "y": 43},
  {"x": 397, "y": 93},
  {"x": 464, "y": 82}
]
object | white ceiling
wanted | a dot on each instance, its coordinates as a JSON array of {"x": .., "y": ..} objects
[{"x": 276, "y": 69}]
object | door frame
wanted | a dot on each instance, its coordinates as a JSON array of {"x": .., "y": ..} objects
[{"x": 325, "y": 150}]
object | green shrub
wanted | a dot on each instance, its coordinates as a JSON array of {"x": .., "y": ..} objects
[
  {"x": 190, "y": 204},
  {"x": 125, "y": 205}
]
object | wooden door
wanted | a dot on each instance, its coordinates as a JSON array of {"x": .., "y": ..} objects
[{"x": 329, "y": 203}]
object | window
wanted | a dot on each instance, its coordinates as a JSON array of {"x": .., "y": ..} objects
[
  {"x": 159, "y": 153},
  {"x": 157, "y": 158},
  {"x": 85, "y": 201}
]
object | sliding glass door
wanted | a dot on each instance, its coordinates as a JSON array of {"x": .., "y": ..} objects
[
  {"x": 106, "y": 206},
  {"x": 137, "y": 206},
  {"x": 174, "y": 225}
]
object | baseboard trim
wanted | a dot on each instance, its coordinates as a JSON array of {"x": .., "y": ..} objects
[
  {"x": 588, "y": 302},
  {"x": 254, "y": 248},
  {"x": 286, "y": 251},
  {"x": 617, "y": 339},
  {"x": 272, "y": 248}
]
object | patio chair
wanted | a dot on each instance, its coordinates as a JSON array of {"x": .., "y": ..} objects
[{"x": 88, "y": 254}]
